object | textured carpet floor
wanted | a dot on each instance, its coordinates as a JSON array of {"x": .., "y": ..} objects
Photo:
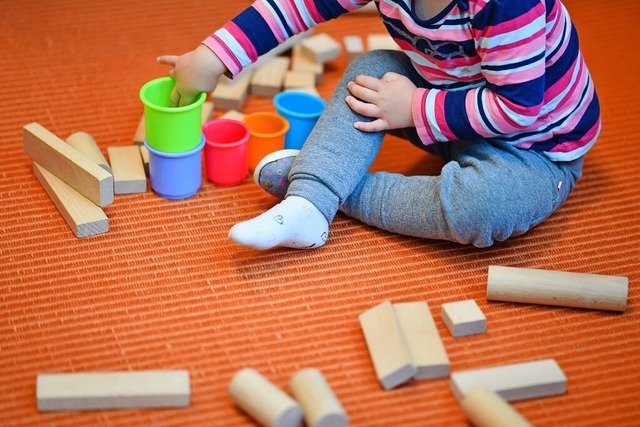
[{"x": 164, "y": 288}]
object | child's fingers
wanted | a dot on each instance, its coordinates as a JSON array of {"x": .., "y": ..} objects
[
  {"x": 361, "y": 92},
  {"x": 364, "y": 108},
  {"x": 377, "y": 125},
  {"x": 167, "y": 59},
  {"x": 369, "y": 82}
]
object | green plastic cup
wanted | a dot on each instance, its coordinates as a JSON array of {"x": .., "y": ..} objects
[{"x": 170, "y": 129}]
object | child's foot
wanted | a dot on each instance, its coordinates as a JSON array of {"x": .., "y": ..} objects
[
  {"x": 293, "y": 223},
  {"x": 272, "y": 173}
]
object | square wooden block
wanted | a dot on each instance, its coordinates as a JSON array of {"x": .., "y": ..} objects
[{"x": 463, "y": 318}]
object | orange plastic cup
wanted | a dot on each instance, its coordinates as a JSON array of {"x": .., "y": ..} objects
[{"x": 267, "y": 135}]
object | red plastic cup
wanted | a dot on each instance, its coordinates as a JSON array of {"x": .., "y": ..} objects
[{"x": 225, "y": 151}]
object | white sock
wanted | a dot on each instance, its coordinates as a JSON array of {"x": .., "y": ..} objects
[{"x": 294, "y": 223}]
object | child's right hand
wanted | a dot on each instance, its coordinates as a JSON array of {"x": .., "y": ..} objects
[{"x": 195, "y": 72}]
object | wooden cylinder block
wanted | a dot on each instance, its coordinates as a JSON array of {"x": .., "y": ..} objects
[
  {"x": 84, "y": 143},
  {"x": 485, "y": 408},
  {"x": 263, "y": 400},
  {"x": 320, "y": 406},
  {"x": 582, "y": 290}
]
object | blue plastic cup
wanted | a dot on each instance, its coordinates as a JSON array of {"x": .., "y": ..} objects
[
  {"x": 301, "y": 110},
  {"x": 175, "y": 175}
]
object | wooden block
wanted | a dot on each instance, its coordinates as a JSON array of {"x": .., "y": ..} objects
[
  {"x": 113, "y": 390},
  {"x": 321, "y": 47},
  {"x": 463, "y": 318},
  {"x": 485, "y": 408},
  {"x": 387, "y": 346},
  {"x": 83, "y": 216},
  {"x": 267, "y": 80},
  {"x": 232, "y": 114},
  {"x": 144, "y": 154},
  {"x": 519, "y": 381},
  {"x": 84, "y": 143},
  {"x": 296, "y": 79},
  {"x": 65, "y": 162},
  {"x": 381, "y": 41},
  {"x": 353, "y": 46},
  {"x": 421, "y": 335},
  {"x": 305, "y": 62},
  {"x": 312, "y": 90},
  {"x": 581, "y": 290},
  {"x": 138, "y": 137},
  {"x": 128, "y": 170},
  {"x": 263, "y": 400},
  {"x": 231, "y": 94},
  {"x": 320, "y": 405}
]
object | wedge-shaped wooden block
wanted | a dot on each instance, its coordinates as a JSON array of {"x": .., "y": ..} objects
[
  {"x": 423, "y": 339},
  {"x": 561, "y": 288},
  {"x": 128, "y": 170},
  {"x": 68, "y": 164},
  {"x": 113, "y": 390},
  {"x": 84, "y": 217},
  {"x": 232, "y": 94},
  {"x": 518, "y": 381},
  {"x": 463, "y": 318},
  {"x": 322, "y": 47},
  {"x": 268, "y": 79},
  {"x": 387, "y": 346}
]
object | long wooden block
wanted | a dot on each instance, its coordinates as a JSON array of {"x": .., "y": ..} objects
[
  {"x": 517, "y": 381},
  {"x": 387, "y": 346},
  {"x": 83, "y": 216},
  {"x": 231, "y": 94},
  {"x": 65, "y": 162},
  {"x": 84, "y": 143},
  {"x": 263, "y": 400},
  {"x": 423, "y": 339},
  {"x": 113, "y": 390},
  {"x": 561, "y": 288},
  {"x": 463, "y": 318},
  {"x": 485, "y": 408},
  {"x": 267, "y": 80},
  {"x": 319, "y": 404},
  {"x": 128, "y": 170}
]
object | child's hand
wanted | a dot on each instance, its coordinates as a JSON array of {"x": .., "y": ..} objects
[
  {"x": 195, "y": 72},
  {"x": 387, "y": 100}
]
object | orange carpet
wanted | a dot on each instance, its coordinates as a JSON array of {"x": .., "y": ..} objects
[{"x": 164, "y": 288}]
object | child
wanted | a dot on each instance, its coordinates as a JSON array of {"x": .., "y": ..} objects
[{"x": 498, "y": 88}]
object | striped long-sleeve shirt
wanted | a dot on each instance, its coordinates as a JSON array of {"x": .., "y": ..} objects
[{"x": 501, "y": 69}]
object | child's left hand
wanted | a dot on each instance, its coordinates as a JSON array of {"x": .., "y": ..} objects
[{"x": 387, "y": 100}]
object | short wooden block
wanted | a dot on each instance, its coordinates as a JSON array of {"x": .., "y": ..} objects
[
  {"x": 113, "y": 390},
  {"x": 387, "y": 346},
  {"x": 380, "y": 42},
  {"x": 485, "y": 408},
  {"x": 138, "y": 137},
  {"x": 322, "y": 47},
  {"x": 296, "y": 79},
  {"x": 232, "y": 114},
  {"x": 463, "y": 318},
  {"x": 231, "y": 94},
  {"x": 83, "y": 216},
  {"x": 128, "y": 170},
  {"x": 267, "y": 80},
  {"x": 354, "y": 47},
  {"x": 263, "y": 400},
  {"x": 561, "y": 288},
  {"x": 518, "y": 381},
  {"x": 69, "y": 165},
  {"x": 320, "y": 405},
  {"x": 304, "y": 62},
  {"x": 84, "y": 143},
  {"x": 425, "y": 345}
]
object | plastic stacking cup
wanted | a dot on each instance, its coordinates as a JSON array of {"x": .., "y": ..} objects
[
  {"x": 175, "y": 175},
  {"x": 301, "y": 111},
  {"x": 267, "y": 135},
  {"x": 225, "y": 152},
  {"x": 170, "y": 129}
]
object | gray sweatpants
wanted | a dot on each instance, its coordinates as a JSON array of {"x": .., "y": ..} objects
[{"x": 487, "y": 190}]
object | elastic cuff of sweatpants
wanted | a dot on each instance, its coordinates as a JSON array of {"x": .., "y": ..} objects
[{"x": 317, "y": 193}]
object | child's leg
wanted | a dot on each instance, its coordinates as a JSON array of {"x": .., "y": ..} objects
[
  {"x": 330, "y": 165},
  {"x": 486, "y": 192}
]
